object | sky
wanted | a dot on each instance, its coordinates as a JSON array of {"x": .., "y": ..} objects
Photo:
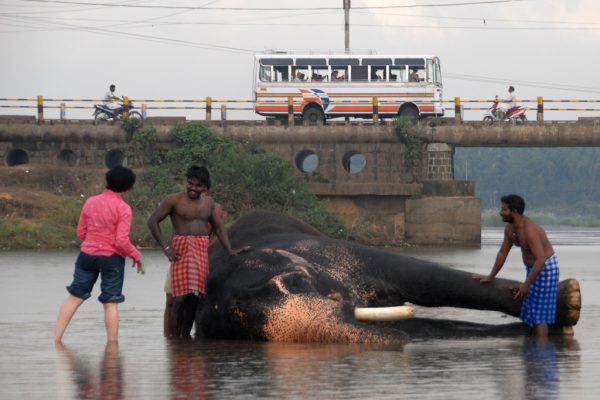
[{"x": 184, "y": 49}]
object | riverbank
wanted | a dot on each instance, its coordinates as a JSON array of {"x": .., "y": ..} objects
[{"x": 40, "y": 206}]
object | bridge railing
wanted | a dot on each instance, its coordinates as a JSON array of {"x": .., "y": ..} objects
[
  {"x": 539, "y": 107},
  {"x": 209, "y": 108}
]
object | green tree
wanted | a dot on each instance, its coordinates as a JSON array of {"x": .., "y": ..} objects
[{"x": 244, "y": 178}]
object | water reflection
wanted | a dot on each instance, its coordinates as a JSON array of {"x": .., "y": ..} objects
[
  {"x": 541, "y": 371},
  {"x": 203, "y": 369},
  {"x": 541, "y": 361},
  {"x": 104, "y": 382},
  {"x": 188, "y": 370}
]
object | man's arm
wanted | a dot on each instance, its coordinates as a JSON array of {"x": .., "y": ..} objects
[
  {"x": 122, "y": 241},
  {"x": 82, "y": 225},
  {"x": 500, "y": 259},
  {"x": 164, "y": 209},
  {"x": 216, "y": 221},
  {"x": 537, "y": 249}
]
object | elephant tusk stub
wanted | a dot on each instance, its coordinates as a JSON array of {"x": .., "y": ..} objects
[{"x": 383, "y": 313}]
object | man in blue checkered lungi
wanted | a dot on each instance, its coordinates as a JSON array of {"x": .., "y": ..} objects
[{"x": 540, "y": 289}]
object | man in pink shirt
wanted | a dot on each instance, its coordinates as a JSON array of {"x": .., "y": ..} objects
[{"x": 104, "y": 227}]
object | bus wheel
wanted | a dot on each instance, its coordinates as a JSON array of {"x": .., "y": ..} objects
[
  {"x": 411, "y": 114},
  {"x": 314, "y": 116}
]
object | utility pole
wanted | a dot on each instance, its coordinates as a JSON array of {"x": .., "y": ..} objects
[{"x": 347, "y": 25}]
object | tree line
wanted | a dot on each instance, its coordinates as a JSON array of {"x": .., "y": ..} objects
[{"x": 562, "y": 181}]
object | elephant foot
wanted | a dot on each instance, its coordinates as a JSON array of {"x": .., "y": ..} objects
[{"x": 568, "y": 307}]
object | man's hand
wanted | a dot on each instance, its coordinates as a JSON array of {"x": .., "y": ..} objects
[
  {"x": 521, "y": 292},
  {"x": 239, "y": 251},
  {"x": 171, "y": 254},
  {"x": 482, "y": 278},
  {"x": 140, "y": 266}
]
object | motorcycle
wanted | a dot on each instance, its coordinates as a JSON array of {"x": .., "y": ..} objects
[
  {"x": 494, "y": 113},
  {"x": 103, "y": 113}
]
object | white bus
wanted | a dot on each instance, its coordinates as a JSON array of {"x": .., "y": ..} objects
[{"x": 330, "y": 86}]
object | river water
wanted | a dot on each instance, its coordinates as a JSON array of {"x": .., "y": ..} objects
[{"x": 146, "y": 366}]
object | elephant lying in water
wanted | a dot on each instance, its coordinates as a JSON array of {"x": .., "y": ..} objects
[{"x": 296, "y": 284}]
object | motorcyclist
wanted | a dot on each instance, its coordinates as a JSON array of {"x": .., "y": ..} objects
[
  {"x": 111, "y": 100},
  {"x": 508, "y": 103}
]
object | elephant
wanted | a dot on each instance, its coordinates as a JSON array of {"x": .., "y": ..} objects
[{"x": 298, "y": 285}]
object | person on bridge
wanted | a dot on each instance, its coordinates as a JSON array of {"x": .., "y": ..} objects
[
  {"x": 540, "y": 289},
  {"x": 111, "y": 100},
  {"x": 104, "y": 227},
  {"x": 508, "y": 103},
  {"x": 190, "y": 212},
  {"x": 413, "y": 76}
]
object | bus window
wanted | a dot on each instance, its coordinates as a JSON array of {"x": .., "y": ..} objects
[
  {"x": 377, "y": 74},
  {"x": 430, "y": 73},
  {"x": 281, "y": 74},
  {"x": 416, "y": 74},
  {"x": 265, "y": 73},
  {"x": 359, "y": 73},
  {"x": 300, "y": 74},
  {"x": 398, "y": 74},
  {"x": 378, "y": 66},
  {"x": 320, "y": 73},
  {"x": 339, "y": 74}
]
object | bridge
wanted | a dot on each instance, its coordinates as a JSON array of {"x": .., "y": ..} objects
[{"x": 363, "y": 171}]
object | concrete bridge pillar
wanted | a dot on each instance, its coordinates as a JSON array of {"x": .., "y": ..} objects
[{"x": 440, "y": 161}]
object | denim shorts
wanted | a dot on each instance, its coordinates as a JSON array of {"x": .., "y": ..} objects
[{"x": 111, "y": 270}]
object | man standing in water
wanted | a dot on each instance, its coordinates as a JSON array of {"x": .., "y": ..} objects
[
  {"x": 190, "y": 212},
  {"x": 104, "y": 227},
  {"x": 540, "y": 289},
  {"x": 167, "y": 318}
]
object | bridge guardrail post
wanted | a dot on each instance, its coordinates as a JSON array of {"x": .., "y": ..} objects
[
  {"x": 144, "y": 111},
  {"x": 457, "y": 110},
  {"x": 223, "y": 112},
  {"x": 540, "y": 109},
  {"x": 375, "y": 110},
  {"x": 63, "y": 112},
  {"x": 209, "y": 109},
  {"x": 40, "y": 109},
  {"x": 125, "y": 103},
  {"x": 290, "y": 111}
]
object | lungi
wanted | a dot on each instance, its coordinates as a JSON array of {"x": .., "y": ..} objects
[
  {"x": 539, "y": 307},
  {"x": 189, "y": 273}
]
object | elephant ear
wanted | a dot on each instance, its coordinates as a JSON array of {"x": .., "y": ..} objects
[{"x": 258, "y": 224}]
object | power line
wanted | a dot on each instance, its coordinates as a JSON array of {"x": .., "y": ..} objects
[
  {"x": 149, "y": 38},
  {"x": 543, "y": 85},
  {"x": 479, "y": 19},
  {"x": 464, "y": 3}
]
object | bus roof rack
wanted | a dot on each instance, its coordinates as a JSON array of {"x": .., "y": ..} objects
[{"x": 319, "y": 51}]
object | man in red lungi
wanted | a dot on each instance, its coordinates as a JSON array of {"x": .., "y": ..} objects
[{"x": 191, "y": 212}]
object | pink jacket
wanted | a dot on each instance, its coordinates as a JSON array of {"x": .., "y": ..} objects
[{"x": 104, "y": 226}]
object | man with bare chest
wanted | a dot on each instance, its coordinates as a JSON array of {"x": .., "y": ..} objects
[
  {"x": 190, "y": 212},
  {"x": 540, "y": 289}
]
